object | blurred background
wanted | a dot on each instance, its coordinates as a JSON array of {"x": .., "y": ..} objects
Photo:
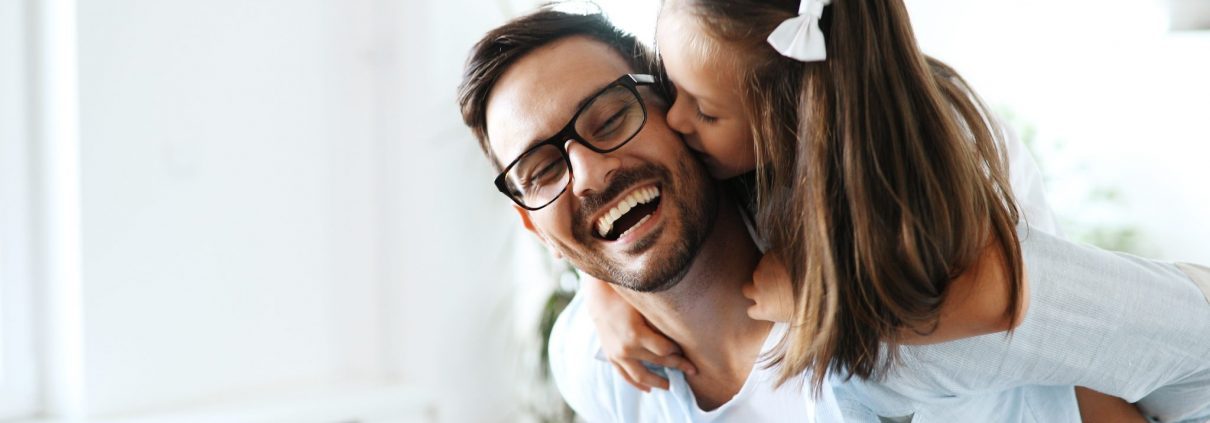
[{"x": 270, "y": 211}]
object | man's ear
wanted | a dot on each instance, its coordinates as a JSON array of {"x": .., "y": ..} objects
[{"x": 529, "y": 226}]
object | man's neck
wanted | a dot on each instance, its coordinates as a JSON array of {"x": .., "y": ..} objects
[{"x": 706, "y": 313}]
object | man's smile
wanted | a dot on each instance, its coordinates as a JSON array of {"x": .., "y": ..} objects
[{"x": 630, "y": 212}]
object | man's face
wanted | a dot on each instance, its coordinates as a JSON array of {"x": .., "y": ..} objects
[{"x": 658, "y": 241}]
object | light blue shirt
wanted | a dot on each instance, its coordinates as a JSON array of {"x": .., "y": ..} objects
[{"x": 863, "y": 401}]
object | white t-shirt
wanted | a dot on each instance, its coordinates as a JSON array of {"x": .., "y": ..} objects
[{"x": 598, "y": 393}]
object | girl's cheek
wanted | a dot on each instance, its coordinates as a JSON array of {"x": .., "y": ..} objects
[
  {"x": 717, "y": 156},
  {"x": 735, "y": 150}
]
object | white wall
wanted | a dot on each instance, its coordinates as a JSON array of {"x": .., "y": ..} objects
[
  {"x": 231, "y": 200},
  {"x": 455, "y": 234},
  {"x": 1124, "y": 100},
  {"x": 282, "y": 193}
]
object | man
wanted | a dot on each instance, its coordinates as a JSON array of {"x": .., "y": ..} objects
[
  {"x": 597, "y": 175},
  {"x": 678, "y": 245}
]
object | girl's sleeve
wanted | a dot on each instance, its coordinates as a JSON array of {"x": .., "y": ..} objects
[{"x": 1028, "y": 186}]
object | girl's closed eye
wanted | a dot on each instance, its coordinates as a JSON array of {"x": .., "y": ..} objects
[{"x": 707, "y": 109}]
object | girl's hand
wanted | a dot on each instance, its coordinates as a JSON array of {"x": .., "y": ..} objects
[
  {"x": 770, "y": 289},
  {"x": 627, "y": 340}
]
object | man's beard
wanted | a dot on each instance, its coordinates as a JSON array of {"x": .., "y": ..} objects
[{"x": 693, "y": 215}]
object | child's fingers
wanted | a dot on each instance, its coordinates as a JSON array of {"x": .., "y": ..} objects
[
  {"x": 626, "y": 376},
  {"x": 675, "y": 361},
  {"x": 657, "y": 343},
  {"x": 749, "y": 291},
  {"x": 756, "y": 312},
  {"x": 641, "y": 376}
]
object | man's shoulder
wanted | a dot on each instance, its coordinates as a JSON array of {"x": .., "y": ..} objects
[
  {"x": 591, "y": 386},
  {"x": 584, "y": 378},
  {"x": 573, "y": 331}
]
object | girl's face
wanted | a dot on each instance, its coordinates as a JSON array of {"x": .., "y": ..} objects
[{"x": 707, "y": 108}]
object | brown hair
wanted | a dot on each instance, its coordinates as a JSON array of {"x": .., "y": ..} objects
[
  {"x": 499, "y": 49},
  {"x": 879, "y": 178}
]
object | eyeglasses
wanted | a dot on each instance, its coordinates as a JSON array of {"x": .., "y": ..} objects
[{"x": 607, "y": 121}]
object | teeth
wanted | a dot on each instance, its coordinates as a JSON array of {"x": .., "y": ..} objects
[
  {"x": 639, "y": 223},
  {"x": 639, "y": 196}
]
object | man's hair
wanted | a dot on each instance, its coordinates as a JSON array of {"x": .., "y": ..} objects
[{"x": 502, "y": 47}]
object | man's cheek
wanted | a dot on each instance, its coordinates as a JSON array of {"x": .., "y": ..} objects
[{"x": 552, "y": 245}]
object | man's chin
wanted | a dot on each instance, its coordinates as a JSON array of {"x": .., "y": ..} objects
[
  {"x": 651, "y": 272},
  {"x": 657, "y": 284}
]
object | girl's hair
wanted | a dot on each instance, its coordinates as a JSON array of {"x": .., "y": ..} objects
[{"x": 879, "y": 177}]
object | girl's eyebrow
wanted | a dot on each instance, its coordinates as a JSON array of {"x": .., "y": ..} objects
[{"x": 700, "y": 100}]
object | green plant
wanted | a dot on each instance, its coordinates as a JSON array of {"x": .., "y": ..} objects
[{"x": 547, "y": 405}]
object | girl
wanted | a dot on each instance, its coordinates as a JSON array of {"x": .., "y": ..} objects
[{"x": 880, "y": 185}]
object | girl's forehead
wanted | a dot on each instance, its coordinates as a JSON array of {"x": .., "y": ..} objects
[
  {"x": 676, "y": 29},
  {"x": 682, "y": 37},
  {"x": 681, "y": 44},
  {"x": 694, "y": 61}
]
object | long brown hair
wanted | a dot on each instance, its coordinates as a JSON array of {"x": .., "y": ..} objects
[{"x": 879, "y": 178}]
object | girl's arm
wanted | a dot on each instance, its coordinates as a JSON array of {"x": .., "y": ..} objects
[
  {"x": 627, "y": 340},
  {"x": 976, "y": 303},
  {"x": 1098, "y": 407}
]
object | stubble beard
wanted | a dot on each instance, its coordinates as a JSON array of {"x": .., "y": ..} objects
[{"x": 693, "y": 217}]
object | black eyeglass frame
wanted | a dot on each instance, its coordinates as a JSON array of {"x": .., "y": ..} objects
[{"x": 631, "y": 82}]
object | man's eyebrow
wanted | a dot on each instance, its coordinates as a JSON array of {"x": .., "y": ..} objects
[{"x": 579, "y": 106}]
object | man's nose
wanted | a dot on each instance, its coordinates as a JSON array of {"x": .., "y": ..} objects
[{"x": 590, "y": 170}]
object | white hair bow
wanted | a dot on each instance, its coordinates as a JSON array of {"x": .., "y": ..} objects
[{"x": 799, "y": 37}]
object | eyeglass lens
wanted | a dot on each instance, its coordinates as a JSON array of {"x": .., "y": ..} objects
[{"x": 611, "y": 119}]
